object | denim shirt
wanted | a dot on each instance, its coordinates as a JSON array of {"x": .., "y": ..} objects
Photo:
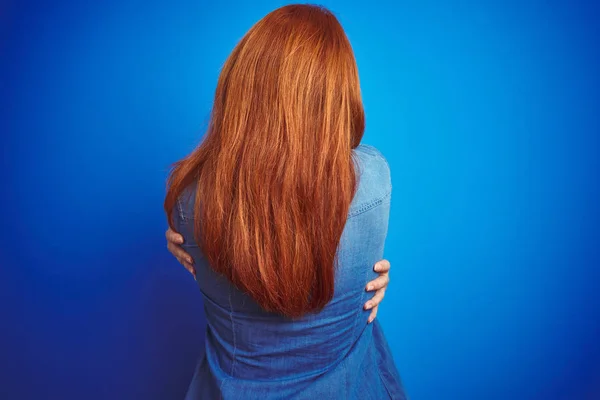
[{"x": 334, "y": 354}]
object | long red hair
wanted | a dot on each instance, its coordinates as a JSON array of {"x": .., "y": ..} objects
[{"x": 275, "y": 173}]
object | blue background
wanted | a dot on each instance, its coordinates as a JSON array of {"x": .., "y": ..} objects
[{"x": 488, "y": 113}]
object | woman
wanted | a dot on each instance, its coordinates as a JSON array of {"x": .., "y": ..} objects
[{"x": 283, "y": 213}]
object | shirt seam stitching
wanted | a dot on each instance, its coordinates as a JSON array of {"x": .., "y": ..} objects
[
  {"x": 180, "y": 208},
  {"x": 369, "y": 205},
  {"x": 232, "y": 331}
]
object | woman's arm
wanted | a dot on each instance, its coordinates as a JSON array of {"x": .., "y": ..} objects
[{"x": 378, "y": 285}]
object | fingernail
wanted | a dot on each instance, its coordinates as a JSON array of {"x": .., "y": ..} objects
[
  {"x": 369, "y": 320},
  {"x": 377, "y": 267},
  {"x": 369, "y": 287},
  {"x": 368, "y": 305},
  {"x": 189, "y": 260}
]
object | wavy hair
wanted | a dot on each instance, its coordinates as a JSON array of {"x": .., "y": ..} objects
[{"x": 275, "y": 173}]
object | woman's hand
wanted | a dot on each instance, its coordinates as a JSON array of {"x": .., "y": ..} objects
[
  {"x": 174, "y": 242},
  {"x": 379, "y": 284}
]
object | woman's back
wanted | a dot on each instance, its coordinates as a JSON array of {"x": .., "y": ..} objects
[{"x": 251, "y": 353}]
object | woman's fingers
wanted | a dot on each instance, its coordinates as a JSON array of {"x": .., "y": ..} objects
[
  {"x": 375, "y": 300},
  {"x": 373, "y": 315},
  {"x": 173, "y": 236},
  {"x": 187, "y": 265},
  {"x": 378, "y": 283},
  {"x": 179, "y": 253},
  {"x": 382, "y": 266},
  {"x": 174, "y": 241},
  {"x": 190, "y": 268}
]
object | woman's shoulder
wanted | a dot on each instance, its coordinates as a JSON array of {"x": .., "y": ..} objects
[
  {"x": 374, "y": 178},
  {"x": 369, "y": 150},
  {"x": 373, "y": 165},
  {"x": 372, "y": 161}
]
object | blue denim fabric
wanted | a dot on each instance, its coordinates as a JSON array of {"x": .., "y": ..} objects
[{"x": 335, "y": 354}]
